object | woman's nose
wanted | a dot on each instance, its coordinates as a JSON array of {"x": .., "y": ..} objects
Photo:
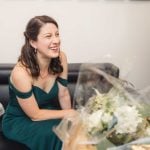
[{"x": 56, "y": 39}]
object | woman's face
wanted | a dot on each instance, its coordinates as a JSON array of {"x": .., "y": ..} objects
[{"x": 48, "y": 41}]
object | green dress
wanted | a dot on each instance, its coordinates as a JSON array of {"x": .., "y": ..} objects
[{"x": 36, "y": 135}]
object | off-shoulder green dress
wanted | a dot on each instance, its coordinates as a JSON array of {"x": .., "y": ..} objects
[{"x": 36, "y": 135}]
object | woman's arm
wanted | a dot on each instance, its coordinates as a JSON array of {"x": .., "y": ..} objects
[
  {"x": 29, "y": 105},
  {"x": 64, "y": 96},
  {"x": 32, "y": 110}
]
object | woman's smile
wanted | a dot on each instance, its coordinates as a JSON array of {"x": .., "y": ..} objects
[{"x": 54, "y": 49}]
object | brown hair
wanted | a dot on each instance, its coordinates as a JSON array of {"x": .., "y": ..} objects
[{"x": 28, "y": 54}]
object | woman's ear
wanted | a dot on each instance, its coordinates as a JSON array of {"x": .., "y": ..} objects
[{"x": 33, "y": 44}]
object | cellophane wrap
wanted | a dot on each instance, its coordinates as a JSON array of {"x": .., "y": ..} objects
[{"x": 112, "y": 113}]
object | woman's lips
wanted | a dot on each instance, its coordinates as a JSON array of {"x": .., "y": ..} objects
[{"x": 54, "y": 48}]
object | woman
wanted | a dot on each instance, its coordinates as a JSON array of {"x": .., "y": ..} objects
[{"x": 39, "y": 97}]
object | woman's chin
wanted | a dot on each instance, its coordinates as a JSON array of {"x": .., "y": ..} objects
[{"x": 54, "y": 55}]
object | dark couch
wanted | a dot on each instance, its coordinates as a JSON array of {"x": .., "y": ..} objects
[{"x": 5, "y": 70}]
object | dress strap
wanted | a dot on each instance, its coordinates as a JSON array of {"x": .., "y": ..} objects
[
  {"x": 18, "y": 93},
  {"x": 62, "y": 81}
]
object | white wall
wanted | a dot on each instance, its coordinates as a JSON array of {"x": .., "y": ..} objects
[{"x": 116, "y": 31}]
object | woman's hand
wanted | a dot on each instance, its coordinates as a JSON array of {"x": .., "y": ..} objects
[{"x": 71, "y": 114}]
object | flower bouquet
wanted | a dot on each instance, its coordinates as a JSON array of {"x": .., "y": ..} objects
[{"x": 112, "y": 114}]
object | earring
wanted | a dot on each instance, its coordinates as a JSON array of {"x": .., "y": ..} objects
[{"x": 35, "y": 51}]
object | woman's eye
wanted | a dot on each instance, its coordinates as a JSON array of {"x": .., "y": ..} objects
[
  {"x": 49, "y": 36},
  {"x": 57, "y": 34}
]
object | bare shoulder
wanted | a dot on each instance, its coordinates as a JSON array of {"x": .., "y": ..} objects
[{"x": 21, "y": 78}]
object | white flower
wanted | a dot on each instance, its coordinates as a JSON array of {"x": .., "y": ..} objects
[
  {"x": 147, "y": 131},
  {"x": 94, "y": 120},
  {"x": 128, "y": 119},
  {"x": 106, "y": 117}
]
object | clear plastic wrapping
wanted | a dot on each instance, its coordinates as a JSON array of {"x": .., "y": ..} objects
[{"x": 112, "y": 114}]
